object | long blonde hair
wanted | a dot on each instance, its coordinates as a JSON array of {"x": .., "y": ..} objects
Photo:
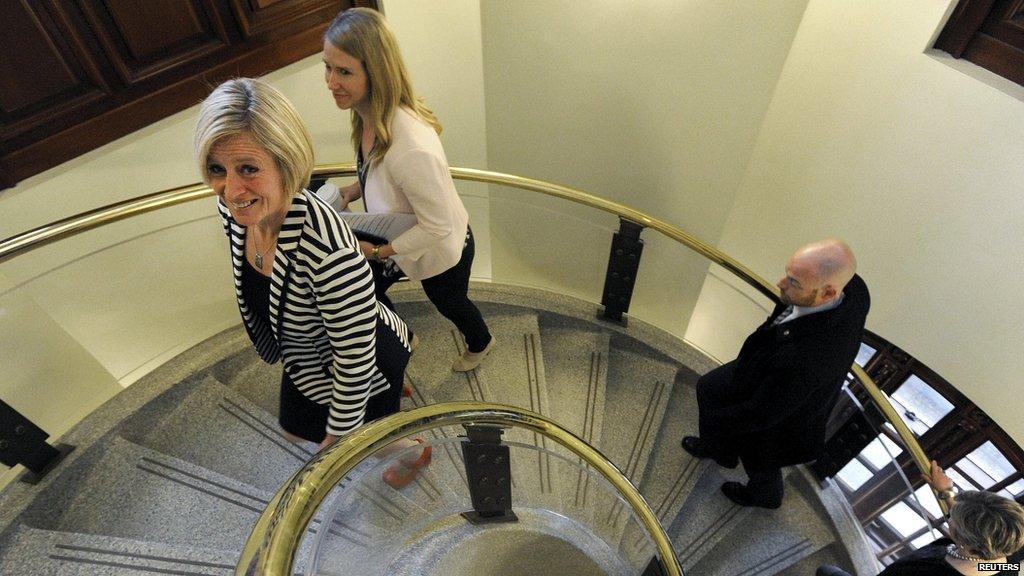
[{"x": 364, "y": 34}]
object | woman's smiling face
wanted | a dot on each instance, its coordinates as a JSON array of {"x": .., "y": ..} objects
[
  {"x": 247, "y": 178},
  {"x": 346, "y": 78}
]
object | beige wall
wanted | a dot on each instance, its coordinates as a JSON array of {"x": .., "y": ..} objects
[
  {"x": 919, "y": 165},
  {"x": 655, "y": 104}
]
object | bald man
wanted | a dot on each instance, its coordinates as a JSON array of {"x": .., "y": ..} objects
[{"x": 768, "y": 407}]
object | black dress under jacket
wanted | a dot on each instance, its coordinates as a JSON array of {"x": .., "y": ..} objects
[{"x": 771, "y": 404}]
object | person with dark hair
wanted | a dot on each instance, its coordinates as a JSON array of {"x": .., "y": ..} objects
[
  {"x": 983, "y": 528},
  {"x": 768, "y": 407},
  {"x": 402, "y": 168},
  {"x": 304, "y": 289}
]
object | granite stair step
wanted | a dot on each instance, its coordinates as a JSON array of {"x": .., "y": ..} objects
[
  {"x": 207, "y": 423},
  {"x": 429, "y": 369},
  {"x": 33, "y": 551},
  {"x": 772, "y": 540},
  {"x": 512, "y": 374},
  {"x": 130, "y": 491},
  {"x": 672, "y": 472},
  {"x": 637, "y": 396},
  {"x": 251, "y": 377},
  {"x": 706, "y": 518},
  {"x": 834, "y": 554}
]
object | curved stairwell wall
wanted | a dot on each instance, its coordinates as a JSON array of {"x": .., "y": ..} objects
[{"x": 172, "y": 473}]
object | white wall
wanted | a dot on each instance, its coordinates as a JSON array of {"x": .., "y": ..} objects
[
  {"x": 919, "y": 166},
  {"x": 83, "y": 316},
  {"x": 655, "y": 104}
]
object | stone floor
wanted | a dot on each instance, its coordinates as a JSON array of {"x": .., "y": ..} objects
[{"x": 170, "y": 475}]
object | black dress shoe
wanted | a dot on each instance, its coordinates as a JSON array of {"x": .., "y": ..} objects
[
  {"x": 739, "y": 494},
  {"x": 699, "y": 449}
]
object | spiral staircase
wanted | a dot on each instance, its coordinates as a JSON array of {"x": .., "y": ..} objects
[{"x": 171, "y": 475}]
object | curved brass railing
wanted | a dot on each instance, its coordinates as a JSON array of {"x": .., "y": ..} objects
[
  {"x": 271, "y": 547},
  {"x": 21, "y": 243}
]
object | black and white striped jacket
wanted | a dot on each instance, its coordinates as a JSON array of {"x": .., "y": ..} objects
[{"x": 323, "y": 312}]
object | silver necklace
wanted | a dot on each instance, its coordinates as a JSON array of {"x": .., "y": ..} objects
[
  {"x": 954, "y": 551},
  {"x": 258, "y": 258}
]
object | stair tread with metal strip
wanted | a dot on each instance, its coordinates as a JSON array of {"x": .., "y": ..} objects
[
  {"x": 227, "y": 433},
  {"x": 131, "y": 491},
  {"x": 576, "y": 371},
  {"x": 772, "y": 540},
  {"x": 58, "y": 553}
]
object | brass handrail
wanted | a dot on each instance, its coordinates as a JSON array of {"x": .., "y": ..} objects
[
  {"x": 270, "y": 549},
  {"x": 47, "y": 233},
  {"x": 92, "y": 219}
]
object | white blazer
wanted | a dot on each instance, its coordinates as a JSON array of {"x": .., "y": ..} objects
[{"x": 413, "y": 178}]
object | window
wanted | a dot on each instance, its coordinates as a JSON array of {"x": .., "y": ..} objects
[
  {"x": 976, "y": 453},
  {"x": 854, "y": 475},
  {"x": 983, "y": 469},
  {"x": 920, "y": 405},
  {"x": 864, "y": 355}
]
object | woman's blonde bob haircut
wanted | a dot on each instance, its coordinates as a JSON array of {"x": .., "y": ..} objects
[
  {"x": 246, "y": 105},
  {"x": 364, "y": 34},
  {"x": 987, "y": 524}
]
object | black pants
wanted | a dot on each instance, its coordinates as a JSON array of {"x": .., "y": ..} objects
[
  {"x": 449, "y": 292},
  {"x": 765, "y": 486},
  {"x": 714, "y": 388}
]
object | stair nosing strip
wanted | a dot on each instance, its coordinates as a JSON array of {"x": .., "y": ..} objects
[
  {"x": 287, "y": 445},
  {"x": 150, "y": 460},
  {"x": 802, "y": 545},
  {"x": 677, "y": 487},
  {"x": 642, "y": 434},
  {"x": 648, "y": 427},
  {"x": 383, "y": 508},
  {"x": 77, "y": 548},
  {"x": 712, "y": 531},
  {"x": 128, "y": 566},
  {"x": 275, "y": 438},
  {"x": 203, "y": 490},
  {"x": 590, "y": 414}
]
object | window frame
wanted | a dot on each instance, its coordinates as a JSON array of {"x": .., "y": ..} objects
[{"x": 956, "y": 435}]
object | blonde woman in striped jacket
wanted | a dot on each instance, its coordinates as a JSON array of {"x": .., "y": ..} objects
[{"x": 304, "y": 289}]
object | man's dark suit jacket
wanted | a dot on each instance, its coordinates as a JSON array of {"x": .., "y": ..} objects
[{"x": 771, "y": 404}]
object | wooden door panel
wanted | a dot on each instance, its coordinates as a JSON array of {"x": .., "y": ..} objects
[
  {"x": 47, "y": 74},
  {"x": 144, "y": 39},
  {"x": 262, "y": 16}
]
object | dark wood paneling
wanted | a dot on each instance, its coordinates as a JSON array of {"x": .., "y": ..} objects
[
  {"x": 30, "y": 48},
  {"x": 964, "y": 22},
  {"x": 143, "y": 39},
  {"x": 77, "y": 74},
  {"x": 257, "y": 17},
  {"x": 47, "y": 73},
  {"x": 989, "y": 33}
]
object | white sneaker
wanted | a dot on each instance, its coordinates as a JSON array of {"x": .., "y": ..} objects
[{"x": 470, "y": 360}]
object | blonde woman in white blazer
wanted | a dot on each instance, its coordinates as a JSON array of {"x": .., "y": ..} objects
[{"x": 403, "y": 168}]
